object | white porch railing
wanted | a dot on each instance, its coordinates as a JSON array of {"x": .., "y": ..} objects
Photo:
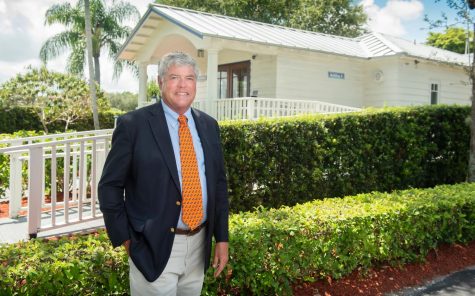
[
  {"x": 73, "y": 162},
  {"x": 253, "y": 108}
]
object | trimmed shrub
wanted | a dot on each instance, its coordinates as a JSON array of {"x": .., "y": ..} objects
[
  {"x": 292, "y": 160},
  {"x": 19, "y": 118},
  {"x": 26, "y": 118},
  {"x": 286, "y": 161},
  {"x": 269, "y": 249}
]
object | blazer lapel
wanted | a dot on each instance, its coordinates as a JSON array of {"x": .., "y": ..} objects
[
  {"x": 200, "y": 127},
  {"x": 159, "y": 127}
]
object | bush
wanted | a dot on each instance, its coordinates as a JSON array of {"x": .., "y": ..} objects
[
  {"x": 286, "y": 161},
  {"x": 269, "y": 249},
  {"x": 84, "y": 265},
  {"x": 292, "y": 160},
  {"x": 19, "y": 118},
  {"x": 26, "y": 118}
]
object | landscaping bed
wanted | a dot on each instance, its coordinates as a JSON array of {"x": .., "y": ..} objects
[
  {"x": 270, "y": 249},
  {"x": 378, "y": 281}
]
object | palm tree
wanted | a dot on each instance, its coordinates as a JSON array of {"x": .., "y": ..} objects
[
  {"x": 107, "y": 33},
  {"x": 92, "y": 84}
]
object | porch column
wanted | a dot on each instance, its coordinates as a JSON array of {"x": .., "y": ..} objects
[
  {"x": 142, "y": 84},
  {"x": 212, "y": 82}
]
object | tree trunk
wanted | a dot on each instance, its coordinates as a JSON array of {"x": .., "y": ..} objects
[
  {"x": 471, "y": 165},
  {"x": 97, "y": 70},
  {"x": 92, "y": 83}
]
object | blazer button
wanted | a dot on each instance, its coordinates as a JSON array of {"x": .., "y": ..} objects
[
  {"x": 172, "y": 229},
  {"x": 178, "y": 203}
]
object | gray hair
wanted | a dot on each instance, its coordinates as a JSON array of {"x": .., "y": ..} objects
[{"x": 176, "y": 58}]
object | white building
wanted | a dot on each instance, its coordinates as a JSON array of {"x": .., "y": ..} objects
[{"x": 243, "y": 59}]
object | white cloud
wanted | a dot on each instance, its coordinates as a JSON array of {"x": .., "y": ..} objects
[
  {"x": 390, "y": 18},
  {"x": 22, "y": 33}
]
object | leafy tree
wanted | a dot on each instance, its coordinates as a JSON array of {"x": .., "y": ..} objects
[
  {"x": 58, "y": 97},
  {"x": 464, "y": 16},
  {"x": 337, "y": 17},
  {"x": 452, "y": 39},
  {"x": 153, "y": 89},
  {"x": 108, "y": 33},
  {"x": 125, "y": 101}
]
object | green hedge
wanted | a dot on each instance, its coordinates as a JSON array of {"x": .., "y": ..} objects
[
  {"x": 26, "y": 118},
  {"x": 293, "y": 160},
  {"x": 19, "y": 118},
  {"x": 289, "y": 161},
  {"x": 269, "y": 249}
]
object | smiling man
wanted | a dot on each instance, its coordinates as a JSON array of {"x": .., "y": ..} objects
[{"x": 163, "y": 190}]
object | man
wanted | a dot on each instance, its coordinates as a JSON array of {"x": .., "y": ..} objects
[{"x": 163, "y": 189}]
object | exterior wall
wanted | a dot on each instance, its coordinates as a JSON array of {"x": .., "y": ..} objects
[
  {"x": 381, "y": 84},
  {"x": 305, "y": 76},
  {"x": 378, "y": 82},
  {"x": 263, "y": 76},
  {"x": 416, "y": 78},
  {"x": 407, "y": 81},
  {"x": 263, "y": 69}
]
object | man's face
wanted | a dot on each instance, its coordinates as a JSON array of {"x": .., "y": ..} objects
[{"x": 178, "y": 87}]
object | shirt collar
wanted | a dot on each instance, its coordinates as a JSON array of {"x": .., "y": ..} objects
[{"x": 173, "y": 116}]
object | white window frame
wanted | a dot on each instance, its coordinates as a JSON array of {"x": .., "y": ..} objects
[{"x": 435, "y": 83}]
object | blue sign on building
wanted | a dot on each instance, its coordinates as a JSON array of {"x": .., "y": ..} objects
[{"x": 336, "y": 75}]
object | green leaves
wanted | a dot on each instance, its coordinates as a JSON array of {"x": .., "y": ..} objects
[
  {"x": 56, "y": 97},
  {"x": 338, "y": 17},
  {"x": 287, "y": 161},
  {"x": 107, "y": 30},
  {"x": 333, "y": 237},
  {"x": 269, "y": 248}
]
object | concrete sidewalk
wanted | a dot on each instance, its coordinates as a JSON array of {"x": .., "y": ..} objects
[
  {"x": 15, "y": 230},
  {"x": 461, "y": 283}
]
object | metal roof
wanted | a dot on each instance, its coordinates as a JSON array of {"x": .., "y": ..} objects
[{"x": 367, "y": 46}]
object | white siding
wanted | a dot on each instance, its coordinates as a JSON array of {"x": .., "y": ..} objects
[
  {"x": 233, "y": 56},
  {"x": 381, "y": 83},
  {"x": 416, "y": 78},
  {"x": 263, "y": 76},
  {"x": 304, "y": 76}
]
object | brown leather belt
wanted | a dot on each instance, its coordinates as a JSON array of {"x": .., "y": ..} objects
[{"x": 190, "y": 232}]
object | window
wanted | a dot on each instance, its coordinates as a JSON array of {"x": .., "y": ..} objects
[
  {"x": 434, "y": 93},
  {"x": 234, "y": 80}
]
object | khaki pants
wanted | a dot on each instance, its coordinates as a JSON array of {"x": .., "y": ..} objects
[{"x": 183, "y": 275}]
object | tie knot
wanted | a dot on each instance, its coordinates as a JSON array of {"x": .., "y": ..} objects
[{"x": 182, "y": 119}]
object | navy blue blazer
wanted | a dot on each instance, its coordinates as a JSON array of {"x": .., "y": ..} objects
[{"x": 139, "y": 191}]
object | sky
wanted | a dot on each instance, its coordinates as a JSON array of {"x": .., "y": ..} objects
[{"x": 22, "y": 33}]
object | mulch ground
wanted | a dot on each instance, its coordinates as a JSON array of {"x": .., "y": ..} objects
[{"x": 445, "y": 260}]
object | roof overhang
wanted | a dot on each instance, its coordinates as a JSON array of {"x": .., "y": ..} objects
[{"x": 144, "y": 31}]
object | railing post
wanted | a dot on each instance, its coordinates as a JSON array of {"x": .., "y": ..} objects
[
  {"x": 35, "y": 190},
  {"x": 15, "y": 182},
  {"x": 250, "y": 108}
]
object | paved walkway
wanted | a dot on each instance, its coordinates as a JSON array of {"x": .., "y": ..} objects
[
  {"x": 15, "y": 230},
  {"x": 461, "y": 283}
]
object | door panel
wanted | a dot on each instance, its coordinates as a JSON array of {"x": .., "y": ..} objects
[{"x": 234, "y": 80}]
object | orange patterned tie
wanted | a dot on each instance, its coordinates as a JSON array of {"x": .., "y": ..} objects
[{"x": 191, "y": 186}]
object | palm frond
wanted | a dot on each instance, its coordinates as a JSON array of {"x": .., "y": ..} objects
[
  {"x": 63, "y": 14},
  {"x": 121, "y": 11},
  {"x": 57, "y": 44},
  {"x": 77, "y": 59}
]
